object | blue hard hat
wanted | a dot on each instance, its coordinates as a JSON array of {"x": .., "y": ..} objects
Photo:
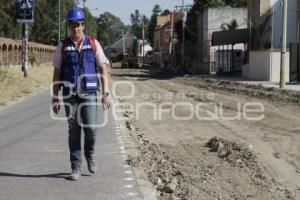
[{"x": 75, "y": 14}]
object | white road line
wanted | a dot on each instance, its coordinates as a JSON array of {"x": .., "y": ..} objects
[
  {"x": 129, "y": 186},
  {"x": 123, "y": 152},
  {"x": 128, "y": 179},
  {"x": 124, "y": 156},
  {"x": 132, "y": 194}
]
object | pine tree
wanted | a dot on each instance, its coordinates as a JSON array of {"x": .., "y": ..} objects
[{"x": 151, "y": 28}]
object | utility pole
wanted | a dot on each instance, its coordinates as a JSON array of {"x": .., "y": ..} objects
[
  {"x": 25, "y": 49},
  {"x": 250, "y": 32},
  {"x": 123, "y": 41},
  {"x": 123, "y": 44},
  {"x": 171, "y": 33},
  {"x": 183, "y": 34},
  {"x": 143, "y": 33},
  {"x": 283, "y": 45},
  {"x": 58, "y": 21}
]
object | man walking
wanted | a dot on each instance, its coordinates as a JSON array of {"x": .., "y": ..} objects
[{"x": 77, "y": 61}]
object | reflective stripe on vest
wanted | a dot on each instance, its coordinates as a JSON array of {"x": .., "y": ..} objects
[{"x": 79, "y": 69}]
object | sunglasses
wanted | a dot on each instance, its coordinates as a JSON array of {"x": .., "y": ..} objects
[{"x": 76, "y": 24}]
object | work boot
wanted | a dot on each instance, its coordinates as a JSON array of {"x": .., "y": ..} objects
[
  {"x": 75, "y": 175},
  {"x": 92, "y": 165}
]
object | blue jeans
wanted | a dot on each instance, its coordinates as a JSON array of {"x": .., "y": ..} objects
[{"x": 87, "y": 117}]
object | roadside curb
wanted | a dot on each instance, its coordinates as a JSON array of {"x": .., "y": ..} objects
[{"x": 147, "y": 190}]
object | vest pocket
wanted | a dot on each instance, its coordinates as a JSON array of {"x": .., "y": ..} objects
[{"x": 90, "y": 83}]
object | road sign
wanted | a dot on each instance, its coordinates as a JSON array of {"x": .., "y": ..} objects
[{"x": 25, "y": 11}]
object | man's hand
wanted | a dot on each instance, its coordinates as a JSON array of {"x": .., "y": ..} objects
[
  {"x": 105, "y": 102},
  {"x": 55, "y": 105}
]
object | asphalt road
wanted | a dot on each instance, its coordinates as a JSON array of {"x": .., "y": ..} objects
[{"x": 34, "y": 157}]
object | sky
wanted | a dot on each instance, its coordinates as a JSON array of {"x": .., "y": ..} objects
[{"x": 123, "y": 8}]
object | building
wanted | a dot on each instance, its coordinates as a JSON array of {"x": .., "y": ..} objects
[
  {"x": 144, "y": 48},
  {"x": 265, "y": 17},
  {"x": 209, "y": 21},
  {"x": 162, "y": 34}
]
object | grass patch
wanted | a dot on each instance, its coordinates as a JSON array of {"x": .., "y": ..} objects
[
  {"x": 3, "y": 74},
  {"x": 14, "y": 85}
]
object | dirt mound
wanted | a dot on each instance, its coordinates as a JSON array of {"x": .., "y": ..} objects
[
  {"x": 232, "y": 152},
  {"x": 237, "y": 155},
  {"x": 218, "y": 169}
]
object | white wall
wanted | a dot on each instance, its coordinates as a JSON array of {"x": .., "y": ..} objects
[
  {"x": 265, "y": 66},
  {"x": 217, "y": 16}
]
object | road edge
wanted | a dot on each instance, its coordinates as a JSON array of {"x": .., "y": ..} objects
[{"x": 146, "y": 188}]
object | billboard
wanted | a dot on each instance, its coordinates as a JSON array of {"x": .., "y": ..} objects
[{"x": 24, "y": 11}]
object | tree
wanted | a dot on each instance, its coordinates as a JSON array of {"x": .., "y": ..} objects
[
  {"x": 90, "y": 23},
  {"x": 137, "y": 23},
  {"x": 45, "y": 26},
  {"x": 152, "y": 24},
  {"x": 109, "y": 28},
  {"x": 136, "y": 28},
  {"x": 165, "y": 12},
  {"x": 8, "y": 25},
  {"x": 230, "y": 26}
]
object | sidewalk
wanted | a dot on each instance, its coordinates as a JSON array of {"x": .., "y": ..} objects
[{"x": 289, "y": 86}]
